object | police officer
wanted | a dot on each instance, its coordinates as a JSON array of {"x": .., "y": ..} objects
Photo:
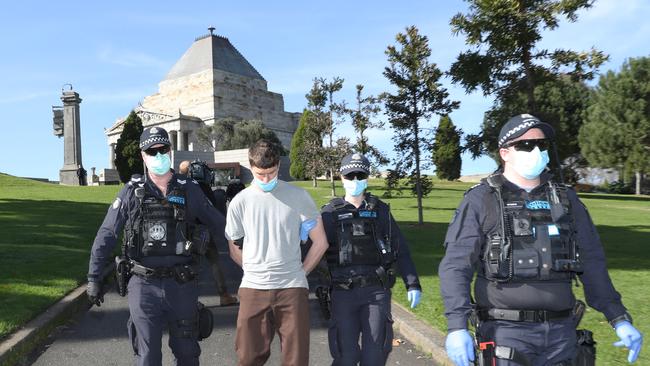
[
  {"x": 365, "y": 242},
  {"x": 162, "y": 241},
  {"x": 527, "y": 238},
  {"x": 204, "y": 176}
]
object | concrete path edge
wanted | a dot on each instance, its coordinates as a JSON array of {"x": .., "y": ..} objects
[
  {"x": 21, "y": 342},
  {"x": 421, "y": 334}
]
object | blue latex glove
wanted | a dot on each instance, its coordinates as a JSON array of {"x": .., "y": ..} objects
[
  {"x": 630, "y": 338},
  {"x": 306, "y": 227},
  {"x": 414, "y": 297},
  {"x": 460, "y": 347}
]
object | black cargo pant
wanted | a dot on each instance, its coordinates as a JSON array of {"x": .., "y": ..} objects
[
  {"x": 546, "y": 343},
  {"x": 156, "y": 303},
  {"x": 361, "y": 311}
]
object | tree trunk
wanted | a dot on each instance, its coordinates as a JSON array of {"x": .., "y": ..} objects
[
  {"x": 418, "y": 185},
  {"x": 638, "y": 182},
  {"x": 314, "y": 182},
  {"x": 332, "y": 183},
  {"x": 528, "y": 71}
]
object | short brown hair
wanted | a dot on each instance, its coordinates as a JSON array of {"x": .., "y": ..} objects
[{"x": 264, "y": 154}]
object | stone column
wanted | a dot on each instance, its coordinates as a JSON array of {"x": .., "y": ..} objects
[
  {"x": 71, "y": 139},
  {"x": 111, "y": 156},
  {"x": 180, "y": 140}
]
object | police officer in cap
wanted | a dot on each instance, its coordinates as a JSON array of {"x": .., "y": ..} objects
[
  {"x": 162, "y": 243},
  {"x": 365, "y": 243},
  {"x": 527, "y": 237}
]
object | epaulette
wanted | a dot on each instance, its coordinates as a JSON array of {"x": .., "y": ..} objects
[
  {"x": 135, "y": 179},
  {"x": 472, "y": 187},
  {"x": 338, "y": 203},
  {"x": 181, "y": 181}
]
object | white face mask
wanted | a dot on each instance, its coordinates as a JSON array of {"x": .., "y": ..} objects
[{"x": 530, "y": 164}]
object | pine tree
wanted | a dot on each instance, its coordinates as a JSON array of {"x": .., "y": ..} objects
[
  {"x": 616, "y": 132},
  {"x": 363, "y": 116},
  {"x": 128, "y": 159},
  {"x": 504, "y": 59},
  {"x": 419, "y": 95},
  {"x": 447, "y": 150}
]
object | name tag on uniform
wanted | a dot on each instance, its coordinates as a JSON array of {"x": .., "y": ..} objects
[
  {"x": 367, "y": 214},
  {"x": 347, "y": 215},
  {"x": 553, "y": 230},
  {"x": 176, "y": 199}
]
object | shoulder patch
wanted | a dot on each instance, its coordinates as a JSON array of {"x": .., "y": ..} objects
[
  {"x": 117, "y": 203},
  {"x": 181, "y": 181}
]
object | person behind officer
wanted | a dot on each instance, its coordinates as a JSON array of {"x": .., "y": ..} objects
[
  {"x": 527, "y": 238},
  {"x": 203, "y": 175},
  {"x": 159, "y": 213},
  {"x": 365, "y": 242}
]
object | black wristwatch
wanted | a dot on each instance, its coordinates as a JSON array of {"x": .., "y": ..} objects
[{"x": 620, "y": 318}]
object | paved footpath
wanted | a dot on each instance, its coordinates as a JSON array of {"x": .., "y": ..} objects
[{"x": 98, "y": 336}]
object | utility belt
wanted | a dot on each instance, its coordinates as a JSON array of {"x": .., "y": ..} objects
[
  {"x": 182, "y": 273},
  {"x": 357, "y": 282},
  {"x": 488, "y": 351},
  {"x": 531, "y": 316}
]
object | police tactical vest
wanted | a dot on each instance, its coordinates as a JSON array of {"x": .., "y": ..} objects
[
  {"x": 358, "y": 238},
  {"x": 158, "y": 227},
  {"x": 534, "y": 240}
]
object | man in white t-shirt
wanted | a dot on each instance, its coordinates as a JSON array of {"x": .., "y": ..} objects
[{"x": 263, "y": 229}]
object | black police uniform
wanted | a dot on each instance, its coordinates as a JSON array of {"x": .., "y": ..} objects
[
  {"x": 164, "y": 288},
  {"x": 523, "y": 286},
  {"x": 361, "y": 278}
]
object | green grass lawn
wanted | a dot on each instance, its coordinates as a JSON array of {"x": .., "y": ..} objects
[{"x": 48, "y": 231}]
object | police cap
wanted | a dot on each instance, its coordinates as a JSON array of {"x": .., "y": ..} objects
[
  {"x": 355, "y": 163},
  {"x": 519, "y": 124},
  {"x": 153, "y": 135}
]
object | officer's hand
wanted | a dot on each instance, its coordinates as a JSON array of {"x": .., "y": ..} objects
[
  {"x": 94, "y": 292},
  {"x": 414, "y": 297},
  {"x": 630, "y": 337},
  {"x": 460, "y": 347},
  {"x": 306, "y": 227}
]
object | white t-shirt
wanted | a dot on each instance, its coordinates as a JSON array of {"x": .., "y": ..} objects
[{"x": 270, "y": 222}]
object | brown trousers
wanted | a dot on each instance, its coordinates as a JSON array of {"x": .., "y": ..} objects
[{"x": 262, "y": 313}]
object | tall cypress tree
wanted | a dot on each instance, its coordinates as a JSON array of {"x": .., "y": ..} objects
[
  {"x": 128, "y": 160},
  {"x": 297, "y": 168},
  {"x": 446, "y": 150}
]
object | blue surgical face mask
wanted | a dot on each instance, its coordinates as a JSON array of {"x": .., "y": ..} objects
[
  {"x": 530, "y": 164},
  {"x": 355, "y": 187},
  {"x": 159, "y": 164},
  {"x": 266, "y": 187}
]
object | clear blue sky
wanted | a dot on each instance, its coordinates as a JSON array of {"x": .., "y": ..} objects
[{"x": 115, "y": 53}]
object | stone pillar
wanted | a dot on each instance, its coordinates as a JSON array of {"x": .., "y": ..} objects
[
  {"x": 71, "y": 139},
  {"x": 111, "y": 156},
  {"x": 173, "y": 136},
  {"x": 180, "y": 140}
]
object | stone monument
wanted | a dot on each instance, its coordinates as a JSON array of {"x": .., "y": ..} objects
[{"x": 66, "y": 124}]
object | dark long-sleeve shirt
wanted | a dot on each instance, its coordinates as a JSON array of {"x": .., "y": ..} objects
[
  {"x": 476, "y": 218},
  {"x": 197, "y": 206}
]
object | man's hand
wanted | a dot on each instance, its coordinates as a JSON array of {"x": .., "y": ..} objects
[
  {"x": 413, "y": 297},
  {"x": 460, "y": 347},
  {"x": 630, "y": 337},
  {"x": 94, "y": 292},
  {"x": 306, "y": 227}
]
